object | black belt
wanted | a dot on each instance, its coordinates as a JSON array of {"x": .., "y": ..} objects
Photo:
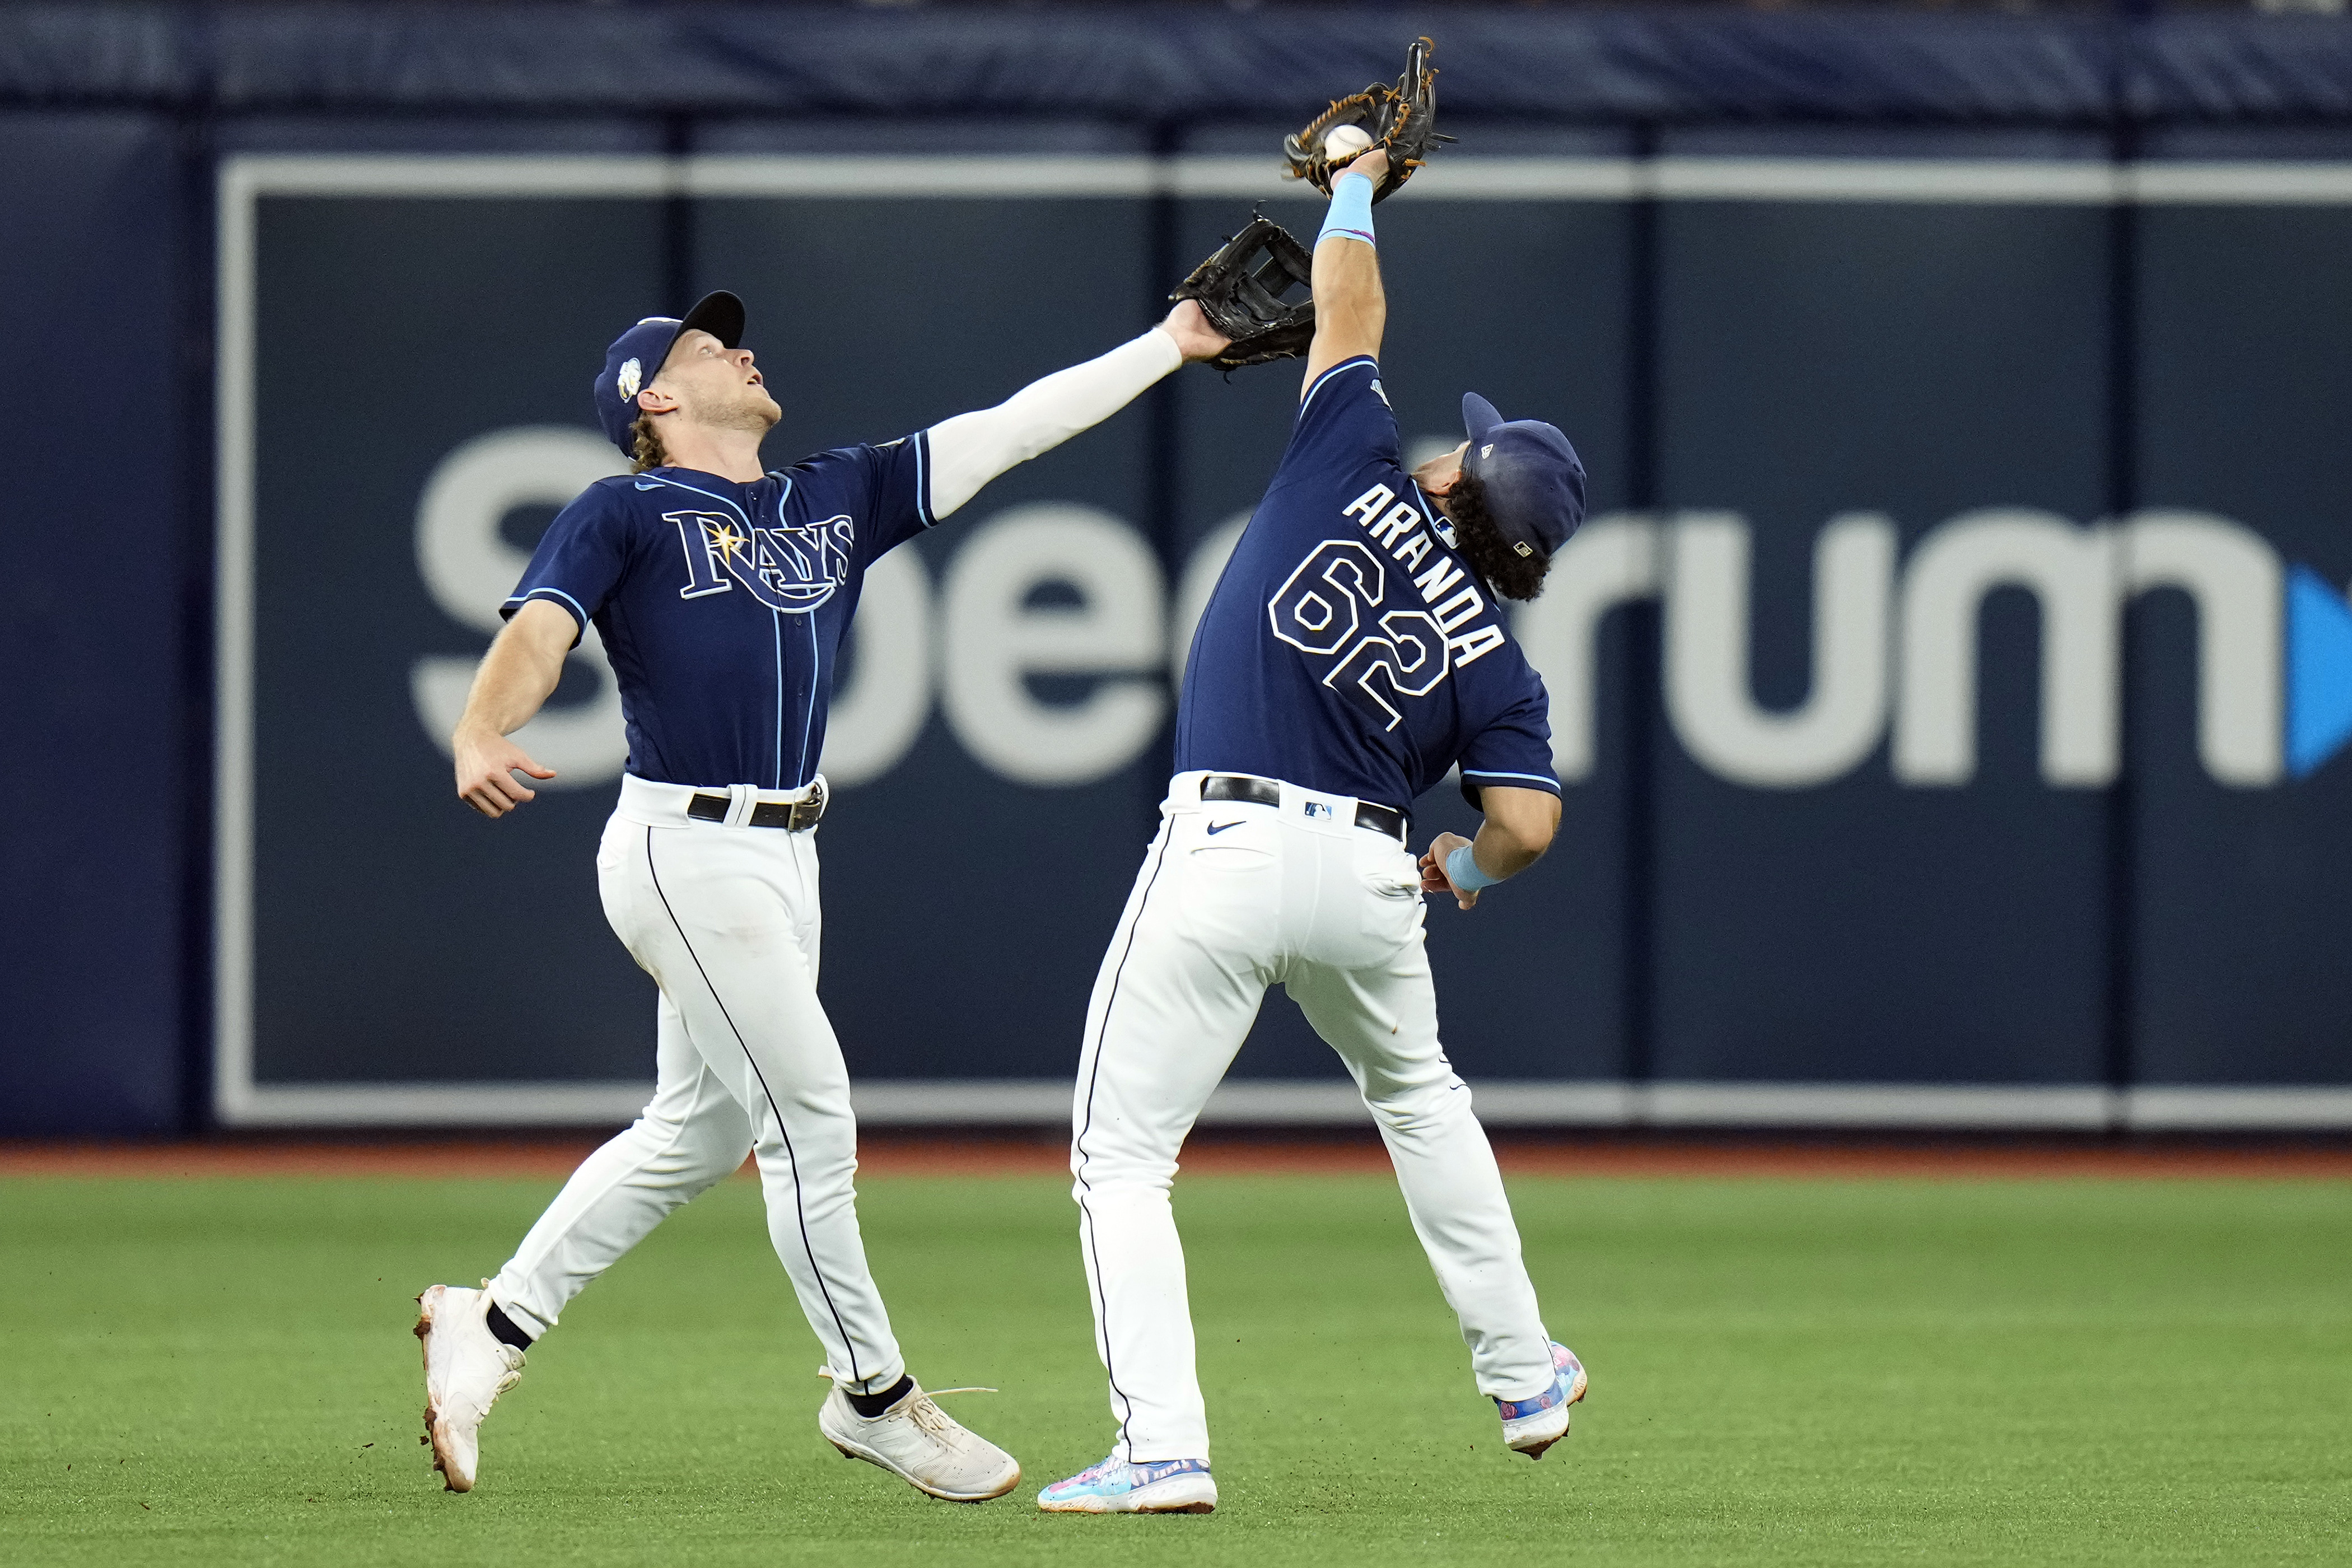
[
  {"x": 1266, "y": 791},
  {"x": 792, "y": 817}
]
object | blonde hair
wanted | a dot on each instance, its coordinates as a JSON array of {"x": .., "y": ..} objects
[{"x": 646, "y": 445}]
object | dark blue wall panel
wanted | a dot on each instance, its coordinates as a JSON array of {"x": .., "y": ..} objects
[
  {"x": 1918, "y": 360},
  {"x": 2245, "y": 409},
  {"x": 102, "y": 597},
  {"x": 1805, "y": 358}
]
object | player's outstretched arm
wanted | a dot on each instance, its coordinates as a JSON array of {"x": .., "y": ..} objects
[
  {"x": 970, "y": 449},
  {"x": 1518, "y": 828},
  {"x": 1351, "y": 309},
  {"x": 517, "y": 675}
]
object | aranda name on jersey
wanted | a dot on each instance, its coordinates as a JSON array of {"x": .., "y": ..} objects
[{"x": 1332, "y": 606}]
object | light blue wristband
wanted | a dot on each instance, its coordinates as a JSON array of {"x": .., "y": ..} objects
[
  {"x": 1462, "y": 870},
  {"x": 1351, "y": 216}
]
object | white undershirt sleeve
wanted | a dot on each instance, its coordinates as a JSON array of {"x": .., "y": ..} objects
[{"x": 970, "y": 449}]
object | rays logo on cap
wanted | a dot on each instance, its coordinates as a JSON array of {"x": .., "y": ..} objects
[{"x": 632, "y": 376}]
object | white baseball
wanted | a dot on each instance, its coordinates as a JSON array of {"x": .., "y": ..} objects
[{"x": 1345, "y": 142}]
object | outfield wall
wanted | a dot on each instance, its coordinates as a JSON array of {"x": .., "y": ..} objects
[{"x": 1945, "y": 690}]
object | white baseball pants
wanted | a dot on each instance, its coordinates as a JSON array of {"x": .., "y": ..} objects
[
  {"x": 724, "y": 916},
  {"x": 1234, "y": 897}
]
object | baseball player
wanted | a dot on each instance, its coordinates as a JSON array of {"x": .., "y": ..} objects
[
  {"x": 1351, "y": 655},
  {"x": 722, "y": 591}
]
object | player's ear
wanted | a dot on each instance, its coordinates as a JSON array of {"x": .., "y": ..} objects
[
  {"x": 1445, "y": 481},
  {"x": 652, "y": 400}
]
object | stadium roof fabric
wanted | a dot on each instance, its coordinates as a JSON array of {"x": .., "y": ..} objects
[{"x": 1170, "y": 64}]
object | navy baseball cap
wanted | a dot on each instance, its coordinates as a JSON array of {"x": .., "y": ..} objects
[
  {"x": 1534, "y": 480},
  {"x": 636, "y": 355}
]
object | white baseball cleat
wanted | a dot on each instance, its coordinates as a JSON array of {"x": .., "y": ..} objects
[
  {"x": 1152, "y": 1486},
  {"x": 466, "y": 1367},
  {"x": 1531, "y": 1425},
  {"x": 920, "y": 1444}
]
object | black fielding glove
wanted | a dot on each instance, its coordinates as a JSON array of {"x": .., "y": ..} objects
[{"x": 1242, "y": 288}]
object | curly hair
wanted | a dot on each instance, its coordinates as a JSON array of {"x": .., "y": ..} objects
[
  {"x": 646, "y": 445},
  {"x": 1480, "y": 539}
]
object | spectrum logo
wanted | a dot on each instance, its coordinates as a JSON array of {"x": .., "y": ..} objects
[
  {"x": 1894, "y": 652},
  {"x": 2319, "y": 671},
  {"x": 1895, "y": 644}
]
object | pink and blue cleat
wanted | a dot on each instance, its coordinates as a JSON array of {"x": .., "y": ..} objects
[
  {"x": 1531, "y": 1425},
  {"x": 1117, "y": 1486}
]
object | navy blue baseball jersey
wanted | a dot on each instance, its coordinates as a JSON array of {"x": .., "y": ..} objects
[
  {"x": 1349, "y": 648},
  {"x": 722, "y": 605}
]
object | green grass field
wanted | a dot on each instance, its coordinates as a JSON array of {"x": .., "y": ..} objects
[{"x": 1867, "y": 1373}]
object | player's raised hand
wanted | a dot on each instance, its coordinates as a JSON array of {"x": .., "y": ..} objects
[
  {"x": 1189, "y": 325},
  {"x": 1434, "y": 878},
  {"x": 487, "y": 765},
  {"x": 1372, "y": 162}
]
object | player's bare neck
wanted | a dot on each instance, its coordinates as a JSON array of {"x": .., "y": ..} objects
[{"x": 732, "y": 455}]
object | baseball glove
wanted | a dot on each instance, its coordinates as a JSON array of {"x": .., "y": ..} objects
[
  {"x": 1403, "y": 118},
  {"x": 1240, "y": 289}
]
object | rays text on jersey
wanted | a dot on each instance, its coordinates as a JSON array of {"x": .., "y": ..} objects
[{"x": 791, "y": 568}]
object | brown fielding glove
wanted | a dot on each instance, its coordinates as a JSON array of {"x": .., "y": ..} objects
[{"x": 1401, "y": 119}]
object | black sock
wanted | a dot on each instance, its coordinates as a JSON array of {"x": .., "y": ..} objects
[
  {"x": 503, "y": 1328},
  {"x": 872, "y": 1404}
]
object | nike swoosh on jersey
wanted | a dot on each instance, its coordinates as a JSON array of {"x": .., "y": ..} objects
[{"x": 1217, "y": 828}]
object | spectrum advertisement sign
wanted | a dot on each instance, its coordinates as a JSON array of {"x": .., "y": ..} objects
[
  {"x": 1895, "y": 653},
  {"x": 1905, "y": 782}
]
